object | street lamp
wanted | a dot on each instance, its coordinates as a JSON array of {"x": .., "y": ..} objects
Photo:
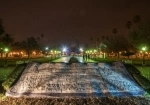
[
  {"x": 6, "y": 51},
  {"x": 46, "y": 48},
  {"x": 143, "y": 49},
  {"x": 64, "y": 50}
]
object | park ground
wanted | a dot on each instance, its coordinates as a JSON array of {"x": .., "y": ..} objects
[{"x": 6, "y": 71}]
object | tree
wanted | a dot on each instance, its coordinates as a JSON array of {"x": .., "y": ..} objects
[
  {"x": 115, "y": 31},
  {"x": 128, "y": 24},
  {"x": 1, "y": 28},
  {"x": 136, "y": 19},
  {"x": 29, "y": 45},
  {"x": 7, "y": 39},
  {"x": 103, "y": 38},
  {"x": 2, "y": 31},
  {"x": 118, "y": 44},
  {"x": 140, "y": 36},
  {"x": 127, "y": 53},
  {"x": 91, "y": 39},
  {"x": 1, "y": 48},
  {"x": 107, "y": 38},
  {"x": 16, "y": 46},
  {"x": 42, "y": 35}
]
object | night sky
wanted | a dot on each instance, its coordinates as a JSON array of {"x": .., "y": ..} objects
[{"x": 69, "y": 20}]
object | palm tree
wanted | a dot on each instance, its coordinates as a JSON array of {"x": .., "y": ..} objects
[
  {"x": 1, "y": 28},
  {"x": 128, "y": 24},
  {"x": 115, "y": 31},
  {"x": 103, "y": 38},
  {"x": 136, "y": 19},
  {"x": 91, "y": 40},
  {"x": 42, "y": 35},
  {"x": 97, "y": 42}
]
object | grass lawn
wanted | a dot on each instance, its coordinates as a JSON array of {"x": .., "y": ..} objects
[
  {"x": 5, "y": 71},
  {"x": 12, "y": 61},
  {"x": 145, "y": 71}
]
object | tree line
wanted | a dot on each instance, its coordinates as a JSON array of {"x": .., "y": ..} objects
[
  {"x": 138, "y": 36},
  {"x": 28, "y": 45}
]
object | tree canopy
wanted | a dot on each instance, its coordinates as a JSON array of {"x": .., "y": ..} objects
[
  {"x": 1, "y": 28},
  {"x": 140, "y": 36},
  {"x": 29, "y": 45}
]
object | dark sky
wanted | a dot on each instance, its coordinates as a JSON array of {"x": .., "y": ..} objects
[{"x": 69, "y": 20}]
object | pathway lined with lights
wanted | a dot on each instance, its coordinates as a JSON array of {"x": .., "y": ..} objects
[
  {"x": 66, "y": 59},
  {"x": 80, "y": 59}
]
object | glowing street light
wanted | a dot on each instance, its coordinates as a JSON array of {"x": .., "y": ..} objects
[
  {"x": 81, "y": 49},
  {"x": 143, "y": 49},
  {"x": 46, "y": 48},
  {"x": 6, "y": 50},
  {"x": 64, "y": 49}
]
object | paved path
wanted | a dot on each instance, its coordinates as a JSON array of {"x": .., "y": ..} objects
[{"x": 66, "y": 59}]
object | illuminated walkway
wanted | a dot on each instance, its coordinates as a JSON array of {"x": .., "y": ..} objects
[
  {"x": 66, "y": 59},
  {"x": 80, "y": 59}
]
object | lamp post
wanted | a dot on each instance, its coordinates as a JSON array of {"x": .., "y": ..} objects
[
  {"x": 6, "y": 51},
  {"x": 46, "y": 53},
  {"x": 143, "y": 49},
  {"x": 64, "y": 50},
  {"x": 81, "y": 50}
]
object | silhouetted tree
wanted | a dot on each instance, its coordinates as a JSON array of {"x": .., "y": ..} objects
[
  {"x": 1, "y": 28},
  {"x": 114, "y": 31},
  {"x": 16, "y": 46},
  {"x": 136, "y": 19},
  {"x": 118, "y": 44},
  {"x": 128, "y": 24},
  {"x": 103, "y": 38},
  {"x": 42, "y": 35},
  {"x": 127, "y": 53},
  {"x": 2, "y": 31},
  {"x": 1, "y": 48},
  {"x": 140, "y": 36},
  {"x": 29, "y": 45},
  {"x": 7, "y": 40},
  {"x": 91, "y": 39},
  {"x": 107, "y": 38}
]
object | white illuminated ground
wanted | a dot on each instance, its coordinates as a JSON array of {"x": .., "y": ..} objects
[{"x": 75, "y": 80}]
